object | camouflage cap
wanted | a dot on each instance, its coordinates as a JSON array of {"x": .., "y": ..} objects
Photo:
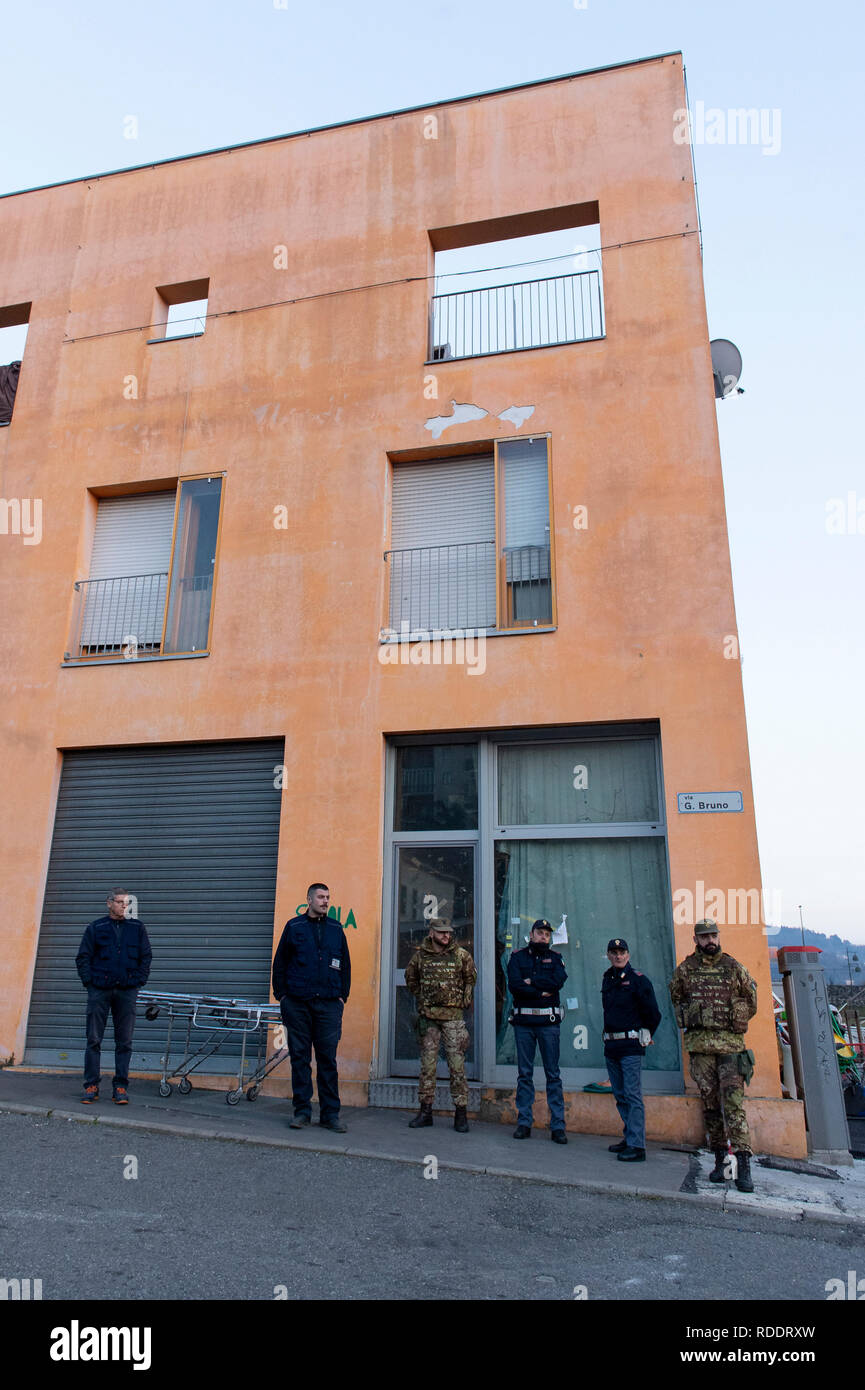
[
  {"x": 440, "y": 924},
  {"x": 705, "y": 927}
]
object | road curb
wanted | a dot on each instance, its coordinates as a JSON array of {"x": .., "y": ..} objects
[{"x": 712, "y": 1200}]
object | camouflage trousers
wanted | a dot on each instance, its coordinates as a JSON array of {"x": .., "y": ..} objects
[
  {"x": 720, "y": 1080},
  {"x": 454, "y": 1035}
]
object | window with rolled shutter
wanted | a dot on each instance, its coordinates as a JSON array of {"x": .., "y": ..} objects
[
  {"x": 443, "y": 537},
  {"x": 124, "y": 596},
  {"x": 526, "y": 540}
]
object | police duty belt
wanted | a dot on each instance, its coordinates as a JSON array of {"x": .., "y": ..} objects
[{"x": 554, "y": 1014}]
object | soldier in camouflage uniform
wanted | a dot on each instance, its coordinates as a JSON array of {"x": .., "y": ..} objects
[
  {"x": 441, "y": 976},
  {"x": 714, "y": 997}
]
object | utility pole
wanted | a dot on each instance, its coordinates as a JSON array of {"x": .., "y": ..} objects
[{"x": 801, "y": 924}]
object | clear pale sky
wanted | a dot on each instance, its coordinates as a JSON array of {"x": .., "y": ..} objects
[{"x": 783, "y": 249}]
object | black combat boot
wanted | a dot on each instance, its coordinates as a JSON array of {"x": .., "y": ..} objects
[
  {"x": 744, "y": 1181},
  {"x": 461, "y": 1124},
  {"x": 423, "y": 1117},
  {"x": 717, "y": 1173}
]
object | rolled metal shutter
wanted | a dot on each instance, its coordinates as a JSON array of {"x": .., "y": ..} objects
[
  {"x": 192, "y": 830},
  {"x": 443, "y": 533}
]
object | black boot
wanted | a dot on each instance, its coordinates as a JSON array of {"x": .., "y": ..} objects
[
  {"x": 423, "y": 1117},
  {"x": 461, "y": 1124},
  {"x": 744, "y": 1181},
  {"x": 717, "y": 1173}
]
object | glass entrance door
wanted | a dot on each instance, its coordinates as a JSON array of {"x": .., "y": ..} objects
[{"x": 431, "y": 881}]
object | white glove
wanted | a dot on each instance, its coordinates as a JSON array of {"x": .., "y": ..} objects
[{"x": 645, "y": 1037}]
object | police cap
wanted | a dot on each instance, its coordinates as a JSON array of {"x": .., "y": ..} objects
[
  {"x": 541, "y": 925},
  {"x": 618, "y": 943}
]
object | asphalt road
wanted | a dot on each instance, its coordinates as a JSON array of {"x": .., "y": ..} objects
[{"x": 207, "y": 1219}]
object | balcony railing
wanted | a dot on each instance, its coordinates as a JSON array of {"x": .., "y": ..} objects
[
  {"x": 444, "y": 587},
  {"x": 447, "y": 588},
  {"x": 116, "y": 615},
  {"x": 509, "y": 318}
]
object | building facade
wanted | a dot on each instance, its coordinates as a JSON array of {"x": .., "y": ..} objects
[{"x": 359, "y": 563}]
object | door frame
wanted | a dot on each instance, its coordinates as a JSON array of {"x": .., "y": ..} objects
[{"x": 427, "y": 839}]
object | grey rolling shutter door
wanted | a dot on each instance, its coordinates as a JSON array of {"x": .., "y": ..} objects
[
  {"x": 125, "y": 595},
  {"x": 190, "y": 829},
  {"x": 443, "y": 565}
]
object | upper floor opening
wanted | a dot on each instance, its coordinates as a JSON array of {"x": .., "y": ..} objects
[
  {"x": 511, "y": 283},
  {"x": 14, "y": 322}
]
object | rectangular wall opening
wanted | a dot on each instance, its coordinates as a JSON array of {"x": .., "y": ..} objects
[
  {"x": 515, "y": 283},
  {"x": 181, "y": 310},
  {"x": 14, "y": 322}
]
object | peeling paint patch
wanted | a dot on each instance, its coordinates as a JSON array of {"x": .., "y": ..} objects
[
  {"x": 517, "y": 414},
  {"x": 437, "y": 424},
  {"x": 260, "y": 412}
]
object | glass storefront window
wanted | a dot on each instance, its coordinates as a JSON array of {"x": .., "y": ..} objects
[
  {"x": 436, "y": 787},
  {"x": 600, "y": 888},
  {"x": 432, "y": 881},
  {"x": 593, "y": 781}
]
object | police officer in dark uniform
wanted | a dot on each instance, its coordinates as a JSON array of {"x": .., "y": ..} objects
[
  {"x": 631, "y": 1016},
  {"x": 535, "y": 976}
]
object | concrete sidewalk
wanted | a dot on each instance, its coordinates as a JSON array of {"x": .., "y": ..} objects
[{"x": 488, "y": 1148}]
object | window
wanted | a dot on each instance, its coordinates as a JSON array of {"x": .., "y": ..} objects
[
  {"x": 504, "y": 828},
  {"x": 514, "y": 283},
  {"x": 583, "y": 847},
  {"x": 14, "y": 320},
  {"x": 181, "y": 310},
  {"x": 471, "y": 542},
  {"x": 150, "y": 587}
]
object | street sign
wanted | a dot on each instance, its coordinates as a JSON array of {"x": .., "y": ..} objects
[{"x": 701, "y": 802}]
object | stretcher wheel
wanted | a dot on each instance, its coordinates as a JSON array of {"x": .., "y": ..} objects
[
  {"x": 151, "y": 1012},
  {"x": 252, "y": 1092},
  {"x": 164, "y": 1088},
  {"x": 233, "y": 1096},
  {"x": 184, "y": 1085}
]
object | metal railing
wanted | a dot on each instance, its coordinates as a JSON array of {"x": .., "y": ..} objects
[
  {"x": 116, "y": 615},
  {"x": 443, "y": 587},
  {"x": 529, "y": 584},
  {"x": 508, "y": 318},
  {"x": 447, "y": 588}
]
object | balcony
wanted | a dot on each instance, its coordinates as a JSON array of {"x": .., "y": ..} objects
[
  {"x": 452, "y": 588},
  {"x": 125, "y": 617},
  {"x": 511, "y": 318}
]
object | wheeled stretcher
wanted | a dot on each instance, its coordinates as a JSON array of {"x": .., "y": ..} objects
[{"x": 221, "y": 1021}]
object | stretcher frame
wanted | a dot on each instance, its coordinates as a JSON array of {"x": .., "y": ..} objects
[{"x": 222, "y": 1020}]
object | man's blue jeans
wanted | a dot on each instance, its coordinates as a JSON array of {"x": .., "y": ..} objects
[
  {"x": 625, "y": 1075},
  {"x": 546, "y": 1039},
  {"x": 120, "y": 1003}
]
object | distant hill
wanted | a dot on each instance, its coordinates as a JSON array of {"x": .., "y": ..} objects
[{"x": 834, "y": 957}]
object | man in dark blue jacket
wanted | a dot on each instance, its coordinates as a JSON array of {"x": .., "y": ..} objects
[
  {"x": 631, "y": 1016},
  {"x": 535, "y": 976},
  {"x": 113, "y": 963},
  {"x": 311, "y": 980}
]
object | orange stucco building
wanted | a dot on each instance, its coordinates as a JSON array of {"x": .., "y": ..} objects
[{"x": 422, "y": 590}]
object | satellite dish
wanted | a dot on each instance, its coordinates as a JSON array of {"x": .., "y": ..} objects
[{"x": 726, "y": 367}]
